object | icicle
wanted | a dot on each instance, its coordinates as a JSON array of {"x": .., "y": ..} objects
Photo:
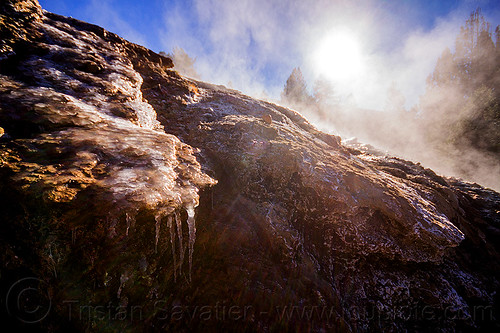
[
  {"x": 127, "y": 218},
  {"x": 157, "y": 230},
  {"x": 192, "y": 234},
  {"x": 178, "y": 222},
  {"x": 172, "y": 242},
  {"x": 130, "y": 222},
  {"x": 112, "y": 222},
  {"x": 123, "y": 279}
]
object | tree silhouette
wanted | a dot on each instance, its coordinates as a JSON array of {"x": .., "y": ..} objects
[
  {"x": 324, "y": 93},
  {"x": 295, "y": 90},
  {"x": 463, "y": 92}
]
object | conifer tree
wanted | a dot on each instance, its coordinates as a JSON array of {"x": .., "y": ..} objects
[
  {"x": 295, "y": 90},
  {"x": 463, "y": 92}
]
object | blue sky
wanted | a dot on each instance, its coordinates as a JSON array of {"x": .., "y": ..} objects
[{"x": 254, "y": 44}]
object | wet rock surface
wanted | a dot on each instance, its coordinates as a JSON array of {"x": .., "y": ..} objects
[{"x": 141, "y": 200}]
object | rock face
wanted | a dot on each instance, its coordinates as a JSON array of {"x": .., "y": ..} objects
[{"x": 135, "y": 199}]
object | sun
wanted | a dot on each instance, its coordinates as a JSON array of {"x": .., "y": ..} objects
[{"x": 338, "y": 56}]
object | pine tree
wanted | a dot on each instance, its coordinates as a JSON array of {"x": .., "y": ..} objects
[
  {"x": 324, "y": 93},
  {"x": 474, "y": 52},
  {"x": 444, "y": 72},
  {"x": 295, "y": 90},
  {"x": 463, "y": 92}
]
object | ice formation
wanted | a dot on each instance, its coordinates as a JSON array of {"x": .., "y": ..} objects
[
  {"x": 177, "y": 229},
  {"x": 157, "y": 230},
  {"x": 172, "y": 244},
  {"x": 192, "y": 234},
  {"x": 118, "y": 148},
  {"x": 178, "y": 223}
]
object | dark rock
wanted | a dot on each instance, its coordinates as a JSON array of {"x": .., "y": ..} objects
[{"x": 90, "y": 67}]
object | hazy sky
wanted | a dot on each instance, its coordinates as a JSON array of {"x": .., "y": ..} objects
[{"x": 253, "y": 45}]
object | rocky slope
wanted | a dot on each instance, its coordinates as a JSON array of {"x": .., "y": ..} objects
[{"x": 134, "y": 199}]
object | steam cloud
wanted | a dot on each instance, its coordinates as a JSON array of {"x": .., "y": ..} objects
[{"x": 252, "y": 45}]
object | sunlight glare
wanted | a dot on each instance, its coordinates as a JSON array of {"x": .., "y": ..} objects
[{"x": 338, "y": 56}]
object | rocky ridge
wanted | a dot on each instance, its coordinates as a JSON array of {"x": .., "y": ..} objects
[{"x": 100, "y": 182}]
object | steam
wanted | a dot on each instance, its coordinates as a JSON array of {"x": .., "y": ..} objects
[
  {"x": 244, "y": 43},
  {"x": 253, "y": 45}
]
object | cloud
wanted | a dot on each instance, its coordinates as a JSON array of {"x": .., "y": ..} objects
[
  {"x": 253, "y": 44},
  {"x": 408, "y": 64}
]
